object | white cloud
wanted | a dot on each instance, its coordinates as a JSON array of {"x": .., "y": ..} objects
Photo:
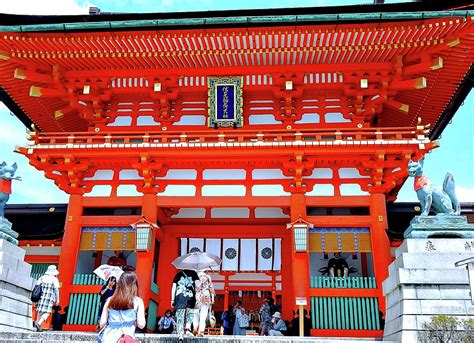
[
  {"x": 45, "y": 7},
  {"x": 34, "y": 188},
  {"x": 465, "y": 194}
]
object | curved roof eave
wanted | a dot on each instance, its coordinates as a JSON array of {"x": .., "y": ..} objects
[
  {"x": 233, "y": 18},
  {"x": 219, "y": 22}
]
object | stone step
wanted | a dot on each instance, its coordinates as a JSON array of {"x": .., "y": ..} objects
[{"x": 70, "y": 337}]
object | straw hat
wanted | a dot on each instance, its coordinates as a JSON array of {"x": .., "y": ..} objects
[
  {"x": 52, "y": 270},
  {"x": 277, "y": 315}
]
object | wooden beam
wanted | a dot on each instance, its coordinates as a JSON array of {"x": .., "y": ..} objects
[
  {"x": 229, "y": 221},
  {"x": 4, "y": 56},
  {"x": 452, "y": 42},
  {"x": 29, "y": 75},
  {"x": 237, "y": 70},
  {"x": 424, "y": 66},
  {"x": 397, "y": 105},
  {"x": 109, "y": 220},
  {"x": 418, "y": 83},
  {"x": 217, "y": 201},
  {"x": 59, "y": 114},
  {"x": 340, "y": 221},
  {"x": 187, "y": 201},
  {"x": 337, "y": 201},
  {"x": 242, "y": 230},
  {"x": 37, "y": 92}
]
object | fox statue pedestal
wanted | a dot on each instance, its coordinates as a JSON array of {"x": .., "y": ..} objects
[
  {"x": 15, "y": 281},
  {"x": 423, "y": 281},
  {"x": 439, "y": 226},
  {"x": 15, "y": 289}
]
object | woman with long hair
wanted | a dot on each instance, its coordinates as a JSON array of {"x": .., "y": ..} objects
[{"x": 122, "y": 311}]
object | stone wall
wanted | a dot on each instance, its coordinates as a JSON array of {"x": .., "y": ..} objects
[
  {"x": 15, "y": 289},
  {"x": 423, "y": 282}
]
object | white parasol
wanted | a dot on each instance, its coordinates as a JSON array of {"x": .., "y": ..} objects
[
  {"x": 106, "y": 271},
  {"x": 197, "y": 261}
]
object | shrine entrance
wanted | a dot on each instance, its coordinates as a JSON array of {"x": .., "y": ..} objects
[
  {"x": 252, "y": 300},
  {"x": 250, "y": 271}
]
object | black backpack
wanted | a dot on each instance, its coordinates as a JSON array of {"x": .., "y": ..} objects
[{"x": 36, "y": 293}]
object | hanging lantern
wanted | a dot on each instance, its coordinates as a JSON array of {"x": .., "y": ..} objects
[
  {"x": 300, "y": 234},
  {"x": 143, "y": 234}
]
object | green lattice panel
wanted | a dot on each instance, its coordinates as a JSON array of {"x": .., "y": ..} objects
[
  {"x": 343, "y": 282},
  {"x": 345, "y": 313},
  {"x": 38, "y": 269},
  {"x": 83, "y": 309}
]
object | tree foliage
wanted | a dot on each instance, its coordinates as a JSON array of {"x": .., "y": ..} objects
[{"x": 447, "y": 329}]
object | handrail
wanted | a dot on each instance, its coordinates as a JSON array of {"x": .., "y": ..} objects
[
  {"x": 224, "y": 137},
  {"x": 343, "y": 282}
]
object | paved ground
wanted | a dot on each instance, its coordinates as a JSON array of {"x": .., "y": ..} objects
[{"x": 70, "y": 337}]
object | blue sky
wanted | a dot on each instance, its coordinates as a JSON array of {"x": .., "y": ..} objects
[{"x": 457, "y": 143}]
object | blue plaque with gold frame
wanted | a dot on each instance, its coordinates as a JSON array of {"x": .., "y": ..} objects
[{"x": 225, "y": 101}]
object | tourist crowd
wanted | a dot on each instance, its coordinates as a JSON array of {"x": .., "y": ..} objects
[{"x": 122, "y": 313}]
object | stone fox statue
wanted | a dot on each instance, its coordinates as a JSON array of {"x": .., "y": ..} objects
[
  {"x": 7, "y": 173},
  {"x": 443, "y": 201}
]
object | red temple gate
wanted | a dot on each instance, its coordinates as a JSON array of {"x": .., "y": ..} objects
[{"x": 329, "y": 122}]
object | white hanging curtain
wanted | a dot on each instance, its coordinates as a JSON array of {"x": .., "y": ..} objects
[
  {"x": 230, "y": 254},
  {"x": 265, "y": 254},
  {"x": 196, "y": 244},
  {"x": 277, "y": 254},
  {"x": 213, "y": 246},
  {"x": 184, "y": 246},
  {"x": 248, "y": 249},
  {"x": 249, "y": 254}
]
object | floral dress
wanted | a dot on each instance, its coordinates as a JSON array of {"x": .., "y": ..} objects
[{"x": 205, "y": 290}]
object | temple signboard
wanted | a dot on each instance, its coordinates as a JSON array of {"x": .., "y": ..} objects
[{"x": 225, "y": 102}]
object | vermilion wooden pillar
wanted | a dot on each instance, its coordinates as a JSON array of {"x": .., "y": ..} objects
[
  {"x": 380, "y": 242},
  {"x": 168, "y": 252},
  {"x": 226, "y": 292},
  {"x": 145, "y": 259},
  {"x": 288, "y": 299},
  {"x": 70, "y": 247},
  {"x": 300, "y": 260}
]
